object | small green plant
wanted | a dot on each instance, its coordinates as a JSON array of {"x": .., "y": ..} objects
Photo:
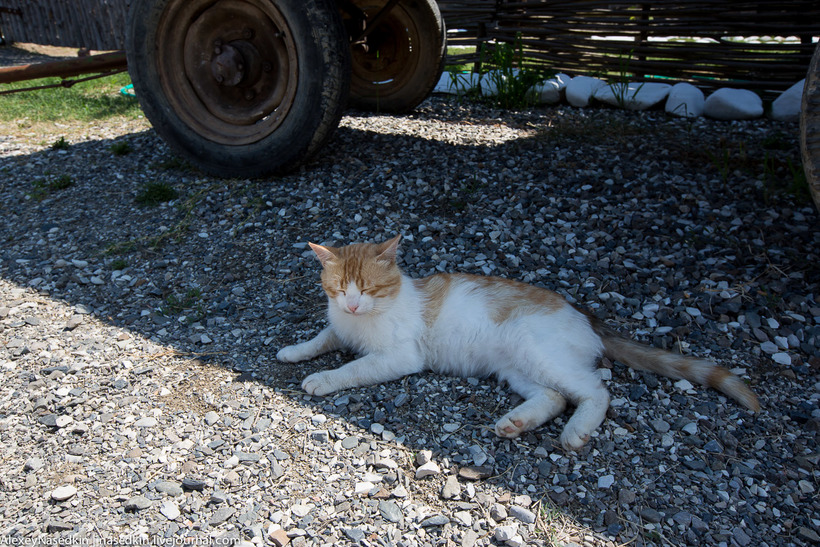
[
  {"x": 120, "y": 247},
  {"x": 118, "y": 264},
  {"x": 776, "y": 141},
  {"x": 502, "y": 77},
  {"x": 61, "y": 183},
  {"x": 174, "y": 163},
  {"x": 510, "y": 80},
  {"x": 120, "y": 148},
  {"x": 155, "y": 193},
  {"x": 190, "y": 303},
  {"x": 722, "y": 161},
  {"x": 60, "y": 144},
  {"x": 44, "y": 187}
]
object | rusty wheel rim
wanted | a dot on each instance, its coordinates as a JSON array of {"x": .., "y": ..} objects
[
  {"x": 228, "y": 67},
  {"x": 391, "y": 55}
]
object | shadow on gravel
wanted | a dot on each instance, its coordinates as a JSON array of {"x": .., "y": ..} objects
[{"x": 220, "y": 276}]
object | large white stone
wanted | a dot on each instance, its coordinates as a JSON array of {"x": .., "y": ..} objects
[
  {"x": 733, "y": 104},
  {"x": 786, "y": 108},
  {"x": 632, "y": 95},
  {"x": 579, "y": 90},
  {"x": 551, "y": 91},
  {"x": 685, "y": 100},
  {"x": 456, "y": 83}
]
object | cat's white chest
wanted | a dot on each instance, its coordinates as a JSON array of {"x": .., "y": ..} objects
[{"x": 397, "y": 328}]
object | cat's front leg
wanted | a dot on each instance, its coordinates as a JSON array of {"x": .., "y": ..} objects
[
  {"x": 324, "y": 342},
  {"x": 371, "y": 369}
]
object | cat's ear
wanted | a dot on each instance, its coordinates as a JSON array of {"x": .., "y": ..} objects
[
  {"x": 324, "y": 254},
  {"x": 389, "y": 248}
]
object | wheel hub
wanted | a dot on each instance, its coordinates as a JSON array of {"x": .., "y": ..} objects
[
  {"x": 239, "y": 67},
  {"x": 228, "y": 65}
]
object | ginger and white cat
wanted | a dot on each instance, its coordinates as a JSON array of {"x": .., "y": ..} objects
[{"x": 532, "y": 338}]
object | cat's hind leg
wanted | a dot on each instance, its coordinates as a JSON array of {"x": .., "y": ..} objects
[
  {"x": 542, "y": 405},
  {"x": 589, "y": 414}
]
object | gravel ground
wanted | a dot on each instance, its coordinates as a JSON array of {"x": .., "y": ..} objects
[{"x": 141, "y": 399}]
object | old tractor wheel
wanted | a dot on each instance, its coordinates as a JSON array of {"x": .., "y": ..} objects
[
  {"x": 240, "y": 88},
  {"x": 810, "y": 127},
  {"x": 397, "y": 56}
]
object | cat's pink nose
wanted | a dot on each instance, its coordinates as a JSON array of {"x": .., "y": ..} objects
[{"x": 353, "y": 307}]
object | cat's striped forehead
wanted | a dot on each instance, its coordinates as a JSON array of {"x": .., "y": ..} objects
[{"x": 364, "y": 265}]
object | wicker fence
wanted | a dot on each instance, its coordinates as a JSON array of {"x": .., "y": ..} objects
[
  {"x": 703, "y": 41},
  {"x": 693, "y": 41},
  {"x": 92, "y": 24}
]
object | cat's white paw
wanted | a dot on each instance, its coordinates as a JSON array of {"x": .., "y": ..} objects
[
  {"x": 320, "y": 383},
  {"x": 509, "y": 428},
  {"x": 573, "y": 440},
  {"x": 290, "y": 354}
]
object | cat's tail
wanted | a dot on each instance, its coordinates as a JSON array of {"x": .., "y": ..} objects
[{"x": 666, "y": 363}]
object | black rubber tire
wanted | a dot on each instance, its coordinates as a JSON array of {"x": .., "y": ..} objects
[
  {"x": 411, "y": 79},
  {"x": 319, "y": 75},
  {"x": 810, "y": 127}
]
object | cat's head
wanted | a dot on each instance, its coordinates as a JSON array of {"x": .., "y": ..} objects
[{"x": 361, "y": 279}]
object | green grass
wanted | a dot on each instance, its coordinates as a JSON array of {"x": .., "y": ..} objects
[
  {"x": 155, "y": 193},
  {"x": 42, "y": 188},
  {"x": 508, "y": 72},
  {"x": 85, "y": 101},
  {"x": 120, "y": 148},
  {"x": 60, "y": 144}
]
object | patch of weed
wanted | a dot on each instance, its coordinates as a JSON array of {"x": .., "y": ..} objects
[
  {"x": 60, "y": 144},
  {"x": 120, "y": 148},
  {"x": 42, "y": 188},
  {"x": 155, "y": 193},
  {"x": 118, "y": 264},
  {"x": 190, "y": 304}
]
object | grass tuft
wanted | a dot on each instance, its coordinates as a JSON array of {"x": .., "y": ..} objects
[{"x": 155, "y": 193}]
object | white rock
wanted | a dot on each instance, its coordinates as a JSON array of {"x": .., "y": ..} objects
[
  {"x": 606, "y": 481},
  {"x": 63, "y": 421},
  {"x": 685, "y": 100},
  {"x": 786, "y": 107},
  {"x": 733, "y": 104},
  {"x": 363, "y": 488},
  {"x": 400, "y": 492},
  {"x": 579, "y": 90},
  {"x": 62, "y": 493},
  {"x": 489, "y": 83},
  {"x": 632, "y": 96},
  {"x": 505, "y": 533},
  {"x": 170, "y": 510},
  {"x": 551, "y": 91},
  {"x": 782, "y": 358},
  {"x": 454, "y": 83},
  {"x": 691, "y": 428},
  {"x": 148, "y": 421},
  {"x": 428, "y": 469},
  {"x": 684, "y": 385}
]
